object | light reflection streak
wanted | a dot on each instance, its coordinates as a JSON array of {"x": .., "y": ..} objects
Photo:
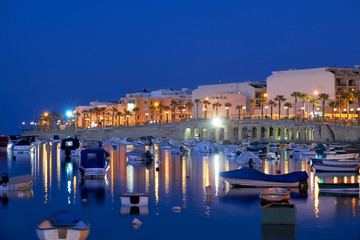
[
  {"x": 216, "y": 173},
  {"x": 183, "y": 179},
  {"x": 166, "y": 166},
  {"x": 353, "y": 206},
  {"x": 112, "y": 174},
  {"x": 45, "y": 173},
  {"x": 74, "y": 182},
  {"x": 58, "y": 162},
  {"x": 205, "y": 168},
  {"x": 130, "y": 178},
  {"x": 316, "y": 197}
]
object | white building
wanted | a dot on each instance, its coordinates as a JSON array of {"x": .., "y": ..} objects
[
  {"x": 234, "y": 93},
  {"x": 332, "y": 81}
]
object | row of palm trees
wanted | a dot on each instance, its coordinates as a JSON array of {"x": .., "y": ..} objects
[{"x": 341, "y": 102}]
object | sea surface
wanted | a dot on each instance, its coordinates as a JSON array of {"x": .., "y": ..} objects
[{"x": 180, "y": 181}]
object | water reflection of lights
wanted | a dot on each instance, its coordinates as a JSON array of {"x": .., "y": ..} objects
[
  {"x": 69, "y": 169},
  {"x": 130, "y": 178},
  {"x": 167, "y": 169},
  {"x": 335, "y": 180},
  {"x": 45, "y": 172},
  {"x": 216, "y": 173},
  {"x": 183, "y": 178},
  {"x": 315, "y": 190},
  {"x": 205, "y": 169}
]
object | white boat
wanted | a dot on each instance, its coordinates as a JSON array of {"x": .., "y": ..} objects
[
  {"x": 165, "y": 145},
  {"x": 63, "y": 225},
  {"x": 206, "y": 147},
  {"x": 232, "y": 150},
  {"x": 18, "y": 183},
  {"x": 345, "y": 156},
  {"x": 335, "y": 168},
  {"x": 142, "y": 141},
  {"x": 139, "y": 155},
  {"x": 126, "y": 141},
  {"x": 272, "y": 156},
  {"x": 94, "y": 163},
  {"x": 137, "y": 210},
  {"x": 179, "y": 150},
  {"x": 134, "y": 199},
  {"x": 249, "y": 159},
  {"x": 335, "y": 162},
  {"x": 23, "y": 144}
]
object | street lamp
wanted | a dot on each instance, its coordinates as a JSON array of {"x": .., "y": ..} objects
[
  {"x": 266, "y": 108},
  {"x": 244, "y": 111}
]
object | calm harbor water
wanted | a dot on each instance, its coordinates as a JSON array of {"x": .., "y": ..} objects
[{"x": 180, "y": 181}]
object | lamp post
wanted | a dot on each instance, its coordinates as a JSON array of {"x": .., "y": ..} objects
[
  {"x": 266, "y": 108},
  {"x": 244, "y": 108},
  {"x": 167, "y": 116},
  {"x": 351, "y": 112},
  {"x": 23, "y": 125}
]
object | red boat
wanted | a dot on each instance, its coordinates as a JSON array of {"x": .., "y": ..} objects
[{"x": 4, "y": 140}]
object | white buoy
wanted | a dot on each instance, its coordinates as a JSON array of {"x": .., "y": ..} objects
[
  {"x": 136, "y": 222},
  {"x": 209, "y": 191},
  {"x": 176, "y": 209},
  {"x": 84, "y": 200}
]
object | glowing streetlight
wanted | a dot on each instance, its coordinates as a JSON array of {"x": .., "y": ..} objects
[
  {"x": 46, "y": 114},
  {"x": 216, "y": 122},
  {"x": 69, "y": 113},
  {"x": 315, "y": 92},
  {"x": 265, "y": 94}
]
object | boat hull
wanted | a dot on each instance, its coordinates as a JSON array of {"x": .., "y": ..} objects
[
  {"x": 134, "y": 199},
  {"x": 257, "y": 183},
  {"x": 19, "y": 183},
  {"x": 335, "y": 168},
  {"x": 339, "y": 188}
]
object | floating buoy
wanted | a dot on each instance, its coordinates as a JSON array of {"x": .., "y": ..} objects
[
  {"x": 278, "y": 171},
  {"x": 158, "y": 161},
  {"x": 187, "y": 176},
  {"x": 157, "y": 169},
  {"x": 209, "y": 190},
  {"x": 176, "y": 209},
  {"x": 84, "y": 200},
  {"x": 136, "y": 222}
]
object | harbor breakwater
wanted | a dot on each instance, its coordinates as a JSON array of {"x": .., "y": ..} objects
[{"x": 225, "y": 129}]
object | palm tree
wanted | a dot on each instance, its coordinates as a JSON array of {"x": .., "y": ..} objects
[
  {"x": 189, "y": 105},
  {"x": 181, "y": 108},
  {"x": 305, "y": 97},
  {"x": 206, "y": 103},
  {"x": 341, "y": 103},
  {"x": 102, "y": 111},
  {"x": 119, "y": 114},
  {"x": 174, "y": 104},
  {"x": 262, "y": 102},
  {"x": 332, "y": 104},
  {"x": 252, "y": 102},
  {"x": 216, "y": 106},
  {"x": 314, "y": 102},
  {"x": 323, "y": 97},
  {"x": 272, "y": 104},
  {"x": 160, "y": 107},
  {"x": 239, "y": 107},
  {"x": 166, "y": 109},
  {"x": 288, "y": 105},
  {"x": 357, "y": 96},
  {"x": 127, "y": 114},
  {"x": 348, "y": 97},
  {"x": 84, "y": 112},
  {"x": 296, "y": 95},
  {"x": 114, "y": 111},
  {"x": 280, "y": 98},
  {"x": 76, "y": 114},
  {"x": 197, "y": 102},
  {"x": 136, "y": 111},
  {"x": 227, "y": 107},
  {"x": 152, "y": 110}
]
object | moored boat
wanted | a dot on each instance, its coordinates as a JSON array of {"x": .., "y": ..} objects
[
  {"x": 335, "y": 162},
  {"x": 139, "y": 155},
  {"x": 339, "y": 188},
  {"x": 348, "y": 156},
  {"x": 18, "y": 183},
  {"x": 134, "y": 199},
  {"x": 63, "y": 225},
  {"x": 274, "y": 195},
  {"x": 335, "y": 167},
  {"x": 94, "y": 163},
  {"x": 253, "y": 178}
]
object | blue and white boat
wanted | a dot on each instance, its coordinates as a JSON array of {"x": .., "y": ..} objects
[
  {"x": 94, "y": 163},
  {"x": 249, "y": 177}
]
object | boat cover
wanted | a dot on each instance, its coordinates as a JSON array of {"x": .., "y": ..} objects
[
  {"x": 252, "y": 174},
  {"x": 246, "y": 156},
  {"x": 139, "y": 153},
  {"x": 64, "y": 219},
  {"x": 93, "y": 158},
  {"x": 205, "y": 146}
]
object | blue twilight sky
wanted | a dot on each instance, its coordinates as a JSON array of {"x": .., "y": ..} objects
[{"x": 57, "y": 54}]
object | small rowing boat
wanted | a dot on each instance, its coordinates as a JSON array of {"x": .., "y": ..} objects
[
  {"x": 19, "y": 183},
  {"x": 335, "y": 167},
  {"x": 274, "y": 195},
  {"x": 335, "y": 162},
  {"x": 339, "y": 188}
]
